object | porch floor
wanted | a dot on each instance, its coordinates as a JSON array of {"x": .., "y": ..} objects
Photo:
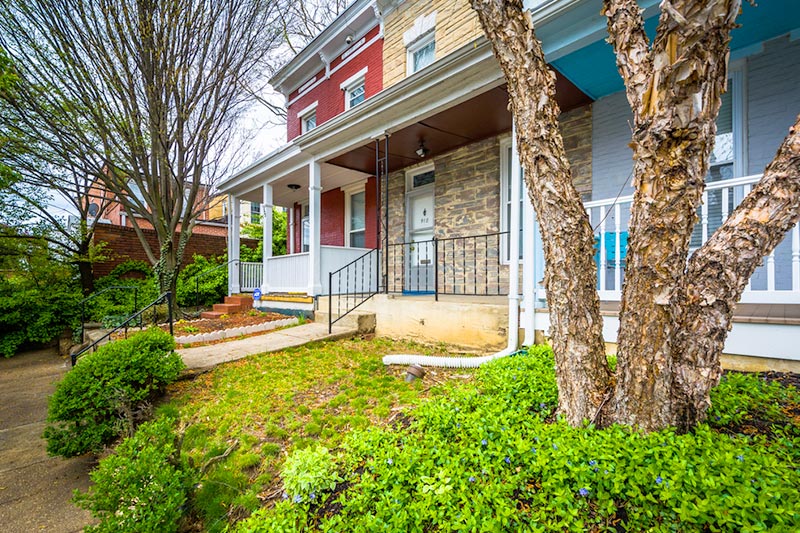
[{"x": 781, "y": 314}]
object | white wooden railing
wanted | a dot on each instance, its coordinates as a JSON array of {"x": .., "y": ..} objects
[
  {"x": 290, "y": 273},
  {"x": 249, "y": 276},
  {"x": 777, "y": 280}
]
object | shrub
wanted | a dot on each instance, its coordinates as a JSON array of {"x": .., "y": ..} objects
[
  {"x": 143, "y": 486},
  {"x": 114, "y": 306},
  {"x": 32, "y": 315},
  {"x": 308, "y": 473},
  {"x": 85, "y": 411},
  {"x": 212, "y": 286}
]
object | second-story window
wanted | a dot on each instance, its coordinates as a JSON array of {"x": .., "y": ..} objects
[
  {"x": 309, "y": 122},
  {"x": 422, "y": 54},
  {"x": 308, "y": 118},
  {"x": 355, "y": 95},
  {"x": 354, "y": 89}
]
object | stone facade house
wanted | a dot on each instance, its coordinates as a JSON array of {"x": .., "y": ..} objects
[{"x": 405, "y": 194}]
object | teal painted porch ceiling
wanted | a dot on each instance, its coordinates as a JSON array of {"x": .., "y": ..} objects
[{"x": 594, "y": 70}]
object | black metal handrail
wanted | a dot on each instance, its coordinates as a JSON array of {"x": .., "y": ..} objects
[
  {"x": 363, "y": 288},
  {"x": 165, "y": 296},
  {"x": 98, "y": 293},
  {"x": 469, "y": 265},
  {"x": 203, "y": 274}
]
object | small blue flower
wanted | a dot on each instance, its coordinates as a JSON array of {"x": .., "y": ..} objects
[
  {"x": 389, "y": 461},
  {"x": 555, "y": 447},
  {"x": 583, "y": 492},
  {"x": 740, "y": 458},
  {"x": 297, "y": 498},
  {"x": 484, "y": 442},
  {"x": 472, "y": 479},
  {"x": 507, "y": 460},
  {"x": 659, "y": 480},
  {"x": 592, "y": 462},
  {"x": 536, "y": 439},
  {"x": 458, "y": 426},
  {"x": 285, "y": 495},
  {"x": 533, "y": 450},
  {"x": 542, "y": 405},
  {"x": 605, "y": 471},
  {"x": 312, "y": 496},
  {"x": 596, "y": 469}
]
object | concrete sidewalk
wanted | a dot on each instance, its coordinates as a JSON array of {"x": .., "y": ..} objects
[{"x": 203, "y": 357}]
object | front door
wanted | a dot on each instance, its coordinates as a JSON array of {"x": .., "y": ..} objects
[{"x": 420, "y": 256}]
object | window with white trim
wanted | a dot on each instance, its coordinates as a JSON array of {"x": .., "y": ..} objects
[
  {"x": 506, "y": 158},
  {"x": 255, "y": 212},
  {"x": 308, "y": 118},
  {"x": 305, "y": 233},
  {"x": 354, "y": 89},
  {"x": 308, "y": 122},
  {"x": 357, "y": 220},
  {"x": 421, "y": 53},
  {"x": 728, "y": 157}
]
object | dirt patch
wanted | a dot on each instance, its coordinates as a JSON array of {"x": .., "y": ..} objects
[{"x": 235, "y": 320}]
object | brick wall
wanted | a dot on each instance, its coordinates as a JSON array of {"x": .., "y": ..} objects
[
  {"x": 124, "y": 245},
  {"x": 332, "y": 218},
  {"x": 329, "y": 94},
  {"x": 456, "y": 25}
]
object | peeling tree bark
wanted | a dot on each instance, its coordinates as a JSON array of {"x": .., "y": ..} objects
[
  {"x": 576, "y": 325},
  {"x": 674, "y": 318}
]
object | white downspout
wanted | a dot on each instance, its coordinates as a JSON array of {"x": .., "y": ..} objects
[{"x": 513, "y": 291}]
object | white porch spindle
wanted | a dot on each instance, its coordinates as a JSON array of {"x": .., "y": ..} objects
[
  {"x": 617, "y": 248},
  {"x": 234, "y": 210},
  {"x": 704, "y": 218},
  {"x": 266, "y": 221},
  {"x": 602, "y": 247},
  {"x": 314, "y": 194},
  {"x": 724, "y": 204},
  {"x": 796, "y": 258}
]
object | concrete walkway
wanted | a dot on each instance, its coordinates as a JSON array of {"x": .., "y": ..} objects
[
  {"x": 203, "y": 357},
  {"x": 35, "y": 489}
]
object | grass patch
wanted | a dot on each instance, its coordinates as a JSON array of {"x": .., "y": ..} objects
[{"x": 273, "y": 404}]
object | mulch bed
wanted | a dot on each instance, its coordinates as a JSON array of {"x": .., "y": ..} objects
[{"x": 234, "y": 320}]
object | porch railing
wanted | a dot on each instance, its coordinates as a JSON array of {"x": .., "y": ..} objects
[
  {"x": 471, "y": 265},
  {"x": 250, "y": 274},
  {"x": 777, "y": 280}
]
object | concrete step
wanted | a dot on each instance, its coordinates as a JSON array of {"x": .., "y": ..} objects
[
  {"x": 227, "y": 308},
  {"x": 243, "y": 301},
  {"x": 361, "y": 321},
  {"x": 212, "y": 314}
]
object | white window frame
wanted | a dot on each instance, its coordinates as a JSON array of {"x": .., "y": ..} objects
[
  {"x": 506, "y": 165},
  {"x": 305, "y": 114},
  {"x": 305, "y": 222},
  {"x": 415, "y": 47},
  {"x": 349, "y": 191},
  {"x": 416, "y": 172},
  {"x": 351, "y": 84}
]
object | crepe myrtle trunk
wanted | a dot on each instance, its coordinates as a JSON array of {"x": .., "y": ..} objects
[{"x": 570, "y": 273}]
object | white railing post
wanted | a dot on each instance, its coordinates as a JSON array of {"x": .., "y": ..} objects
[
  {"x": 796, "y": 258},
  {"x": 617, "y": 248},
  {"x": 602, "y": 248},
  {"x": 704, "y": 218}
]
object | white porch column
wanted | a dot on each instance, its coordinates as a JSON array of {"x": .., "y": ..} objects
[
  {"x": 314, "y": 249},
  {"x": 266, "y": 221},
  {"x": 234, "y": 216}
]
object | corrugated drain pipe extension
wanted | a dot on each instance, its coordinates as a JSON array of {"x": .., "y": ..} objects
[{"x": 513, "y": 295}]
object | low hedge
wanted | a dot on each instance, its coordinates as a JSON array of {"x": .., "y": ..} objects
[{"x": 97, "y": 400}]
